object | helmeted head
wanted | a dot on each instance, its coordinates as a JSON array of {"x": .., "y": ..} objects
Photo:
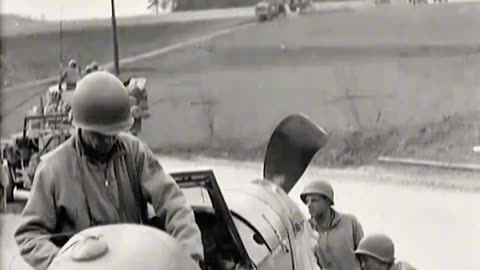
[
  {"x": 88, "y": 69},
  {"x": 72, "y": 63},
  {"x": 122, "y": 247},
  {"x": 94, "y": 66},
  {"x": 54, "y": 95},
  {"x": 376, "y": 252},
  {"x": 100, "y": 104},
  {"x": 318, "y": 195}
]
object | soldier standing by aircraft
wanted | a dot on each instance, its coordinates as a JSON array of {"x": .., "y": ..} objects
[
  {"x": 339, "y": 233},
  {"x": 71, "y": 75},
  {"x": 100, "y": 175},
  {"x": 377, "y": 252}
]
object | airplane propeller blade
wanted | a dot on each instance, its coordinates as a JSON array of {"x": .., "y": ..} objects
[{"x": 291, "y": 148}]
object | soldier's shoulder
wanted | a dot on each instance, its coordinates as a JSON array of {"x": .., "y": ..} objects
[
  {"x": 56, "y": 160},
  {"x": 128, "y": 138},
  {"x": 348, "y": 218},
  {"x": 131, "y": 143},
  {"x": 59, "y": 155}
]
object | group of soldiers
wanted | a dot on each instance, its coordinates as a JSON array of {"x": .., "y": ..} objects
[
  {"x": 102, "y": 175},
  {"x": 73, "y": 73},
  {"x": 70, "y": 76},
  {"x": 341, "y": 243}
]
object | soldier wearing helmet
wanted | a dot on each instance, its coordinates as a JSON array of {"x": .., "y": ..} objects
[
  {"x": 71, "y": 75},
  {"x": 88, "y": 69},
  {"x": 377, "y": 252},
  {"x": 339, "y": 233},
  {"x": 91, "y": 68},
  {"x": 94, "y": 66},
  {"x": 54, "y": 98},
  {"x": 101, "y": 175}
]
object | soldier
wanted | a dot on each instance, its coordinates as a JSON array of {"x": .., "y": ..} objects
[
  {"x": 71, "y": 75},
  {"x": 137, "y": 116},
  {"x": 94, "y": 66},
  {"x": 91, "y": 68},
  {"x": 339, "y": 233},
  {"x": 53, "y": 101},
  {"x": 377, "y": 252},
  {"x": 101, "y": 175},
  {"x": 88, "y": 70}
]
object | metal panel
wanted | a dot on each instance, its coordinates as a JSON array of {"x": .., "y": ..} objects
[
  {"x": 257, "y": 252},
  {"x": 260, "y": 214}
]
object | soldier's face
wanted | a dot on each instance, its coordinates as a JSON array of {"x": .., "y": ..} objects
[
  {"x": 101, "y": 143},
  {"x": 317, "y": 204},
  {"x": 370, "y": 263}
]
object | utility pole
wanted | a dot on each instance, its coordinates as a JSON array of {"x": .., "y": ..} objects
[{"x": 115, "y": 40}]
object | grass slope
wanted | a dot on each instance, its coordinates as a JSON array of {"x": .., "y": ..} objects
[
  {"x": 386, "y": 80},
  {"x": 36, "y": 56}
]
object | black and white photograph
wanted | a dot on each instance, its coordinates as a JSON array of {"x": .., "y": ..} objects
[{"x": 239, "y": 134}]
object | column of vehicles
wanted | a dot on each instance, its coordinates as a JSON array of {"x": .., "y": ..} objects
[
  {"x": 46, "y": 126},
  {"x": 266, "y": 10}
]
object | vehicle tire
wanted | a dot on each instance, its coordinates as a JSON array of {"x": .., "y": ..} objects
[{"x": 7, "y": 183}]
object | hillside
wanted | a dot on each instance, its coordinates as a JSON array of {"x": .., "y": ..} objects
[{"x": 382, "y": 81}]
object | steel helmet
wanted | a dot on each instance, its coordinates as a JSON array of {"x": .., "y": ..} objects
[
  {"x": 123, "y": 247},
  {"x": 94, "y": 66},
  {"x": 379, "y": 246},
  {"x": 88, "y": 69},
  {"x": 72, "y": 63},
  {"x": 100, "y": 103},
  {"x": 321, "y": 187}
]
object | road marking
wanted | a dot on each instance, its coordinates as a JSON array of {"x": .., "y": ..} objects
[{"x": 139, "y": 57}]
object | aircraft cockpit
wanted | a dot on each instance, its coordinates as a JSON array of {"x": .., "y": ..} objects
[{"x": 230, "y": 240}]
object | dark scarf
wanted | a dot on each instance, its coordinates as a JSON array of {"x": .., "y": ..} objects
[{"x": 95, "y": 155}]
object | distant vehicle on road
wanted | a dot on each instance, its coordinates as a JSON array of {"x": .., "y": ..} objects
[
  {"x": 298, "y": 4},
  {"x": 266, "y": 10},
  {"x": 416, "y": 2}
]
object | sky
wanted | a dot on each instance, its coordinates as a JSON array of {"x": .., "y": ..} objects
[{"x": 73, "y": 9}]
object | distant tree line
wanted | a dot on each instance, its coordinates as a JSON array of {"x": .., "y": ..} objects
[{"x": 208, "y": 4}]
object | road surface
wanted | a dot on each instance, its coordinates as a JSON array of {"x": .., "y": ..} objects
[{"x": 432, "y": 228}]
